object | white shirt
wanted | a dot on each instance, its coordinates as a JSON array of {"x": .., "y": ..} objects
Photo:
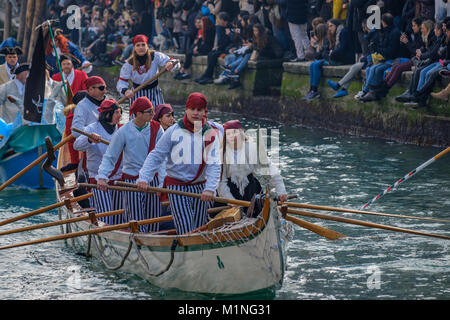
[
  {"x": 95, "y": 151},
  {"x": 85, "y": 113}
]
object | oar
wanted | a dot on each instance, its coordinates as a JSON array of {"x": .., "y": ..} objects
[
  {"x": 146, "y": 83},
  {"x": 324, "y": 232},
  {"x": 45, "y": 209},
  {"x": 89, "y": 135},
  {"x": 35, "y": 162},
  {"x": 364, "y": 223},
  {"x": 60, "y": 222},
  {"x": 314, "y": 228},
  {"x": 132, "y": 225},
  {"x": 327, "y": 208},
  {"x": 406, "y": 177}
]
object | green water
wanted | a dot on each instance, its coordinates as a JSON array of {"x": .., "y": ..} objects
[{"x": 322, "y": 168}]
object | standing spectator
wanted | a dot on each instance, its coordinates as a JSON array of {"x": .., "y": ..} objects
[
  {"x": 297, "y": 12},
  {"x": 325, "y": 8},
  {"x": 442, "y": 10},
  {"x": 340, "y": 9},
  {"x": 426, "y": 9},
  {"x": 408, "y": 14}
]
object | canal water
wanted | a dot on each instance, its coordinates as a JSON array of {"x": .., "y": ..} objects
[{"x": 322, "y": 168}]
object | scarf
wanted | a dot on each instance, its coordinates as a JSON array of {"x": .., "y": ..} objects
[{"x": 95, "y": 101}]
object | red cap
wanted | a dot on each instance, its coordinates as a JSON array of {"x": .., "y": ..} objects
[
  {"x": 196, "y": 100},
  {"x": 92, "y": 81},
  {"x": 108, "y": 105},
  {"x": 162, "y": 109},
  {"x": 140, "y": 38},
  {"x": 232, "y": 124},
  {"x": 141, "y": 104}
]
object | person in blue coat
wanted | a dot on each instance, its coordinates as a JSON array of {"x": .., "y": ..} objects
[{"x": 63, "y": 45}]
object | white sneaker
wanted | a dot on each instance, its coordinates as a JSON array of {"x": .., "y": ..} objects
[
  {"x": 359, "y": 95},
  {"x": 220, "y": 80}
]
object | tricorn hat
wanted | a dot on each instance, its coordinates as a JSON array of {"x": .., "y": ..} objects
[
  {"x": 11, "y": 50},
  {"x": 22, "y": 68}
]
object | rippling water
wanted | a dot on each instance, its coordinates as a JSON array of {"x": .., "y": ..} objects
[{"x": 322, "y": 168}]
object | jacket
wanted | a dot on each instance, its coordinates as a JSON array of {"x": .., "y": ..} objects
[{"x": 297, "y": 11}]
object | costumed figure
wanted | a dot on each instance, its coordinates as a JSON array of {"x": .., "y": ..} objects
[
  {"x": 192, "y": 152},
  {"x": 242, "y": 160},
  {"x": 109, "y": 117},
  {"x": 11, "y": 62},
  {"x": 12, "y": 94},
  {"x": 86, "y": 111},
  {"x": 64, "y": 45},
  {"x": 164, "y": 115},
  {"x": 135, "y": 140},
  {"x": 142, "y": 66},
  {"x": 76, "y": 79}
]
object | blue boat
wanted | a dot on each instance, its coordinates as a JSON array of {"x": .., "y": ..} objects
[{"x": 24, "y": 145}]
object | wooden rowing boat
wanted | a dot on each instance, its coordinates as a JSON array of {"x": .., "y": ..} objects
[
  {"x": 232, "y": 258},
  {"x": 23, "y": 146}
]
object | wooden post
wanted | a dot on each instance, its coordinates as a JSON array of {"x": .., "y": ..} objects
[
  {"x": 28, "y": 24},
  {"x": 23, "y": 11},
  {"x": 7, "y": 24},
  {"x": 39, "y": 14}
]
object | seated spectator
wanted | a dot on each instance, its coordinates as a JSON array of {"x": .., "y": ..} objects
[
  {"x": 223, "y": 40},
  {"x": 202, "y": 45},
  {"x": 388, "y": 50},
  {"x": 412, "y": 43},
  {"x": 427, "y": 55},
  {"x": 430, "y": 74},
  {"x": 342, "y": 85},
  {"x": 263, "y": 46},
  {"x": 332, "y": 48},
  {"x": 310, "y": 52}
]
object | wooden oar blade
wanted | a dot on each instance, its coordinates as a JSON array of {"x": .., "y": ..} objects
[
  {"x": 365, "y": 223},
  {"x": 324, "y": 232},
  {"x": 345, "y": 210}
]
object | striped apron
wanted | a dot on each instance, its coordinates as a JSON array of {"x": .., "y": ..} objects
[
  {"x": 188, "y": 213},
  {"x": 153, "y": 92},
  {"x": 143, "y": 205}
]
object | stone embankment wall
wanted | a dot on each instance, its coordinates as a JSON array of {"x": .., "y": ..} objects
[{"x": 273, "y": 90}]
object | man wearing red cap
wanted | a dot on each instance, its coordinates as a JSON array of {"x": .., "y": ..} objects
[
  {"x": 109, "y": 117},
  {"x": 192, "y": 152},
  {"x": 140, "y": 67},
  {"x": 86, "y": 111},
  {"x": 135, "y": 140},
  {"x": 240, "y": 165},
  {"x": 76, "y": 80}
]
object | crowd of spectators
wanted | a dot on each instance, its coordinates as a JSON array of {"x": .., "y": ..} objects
[{"x": 412, "y": 35}]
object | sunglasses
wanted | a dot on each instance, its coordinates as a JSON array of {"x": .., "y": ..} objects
[
  {"x": 101, "y": 88},
  {"x": 148, "y": 111}
]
